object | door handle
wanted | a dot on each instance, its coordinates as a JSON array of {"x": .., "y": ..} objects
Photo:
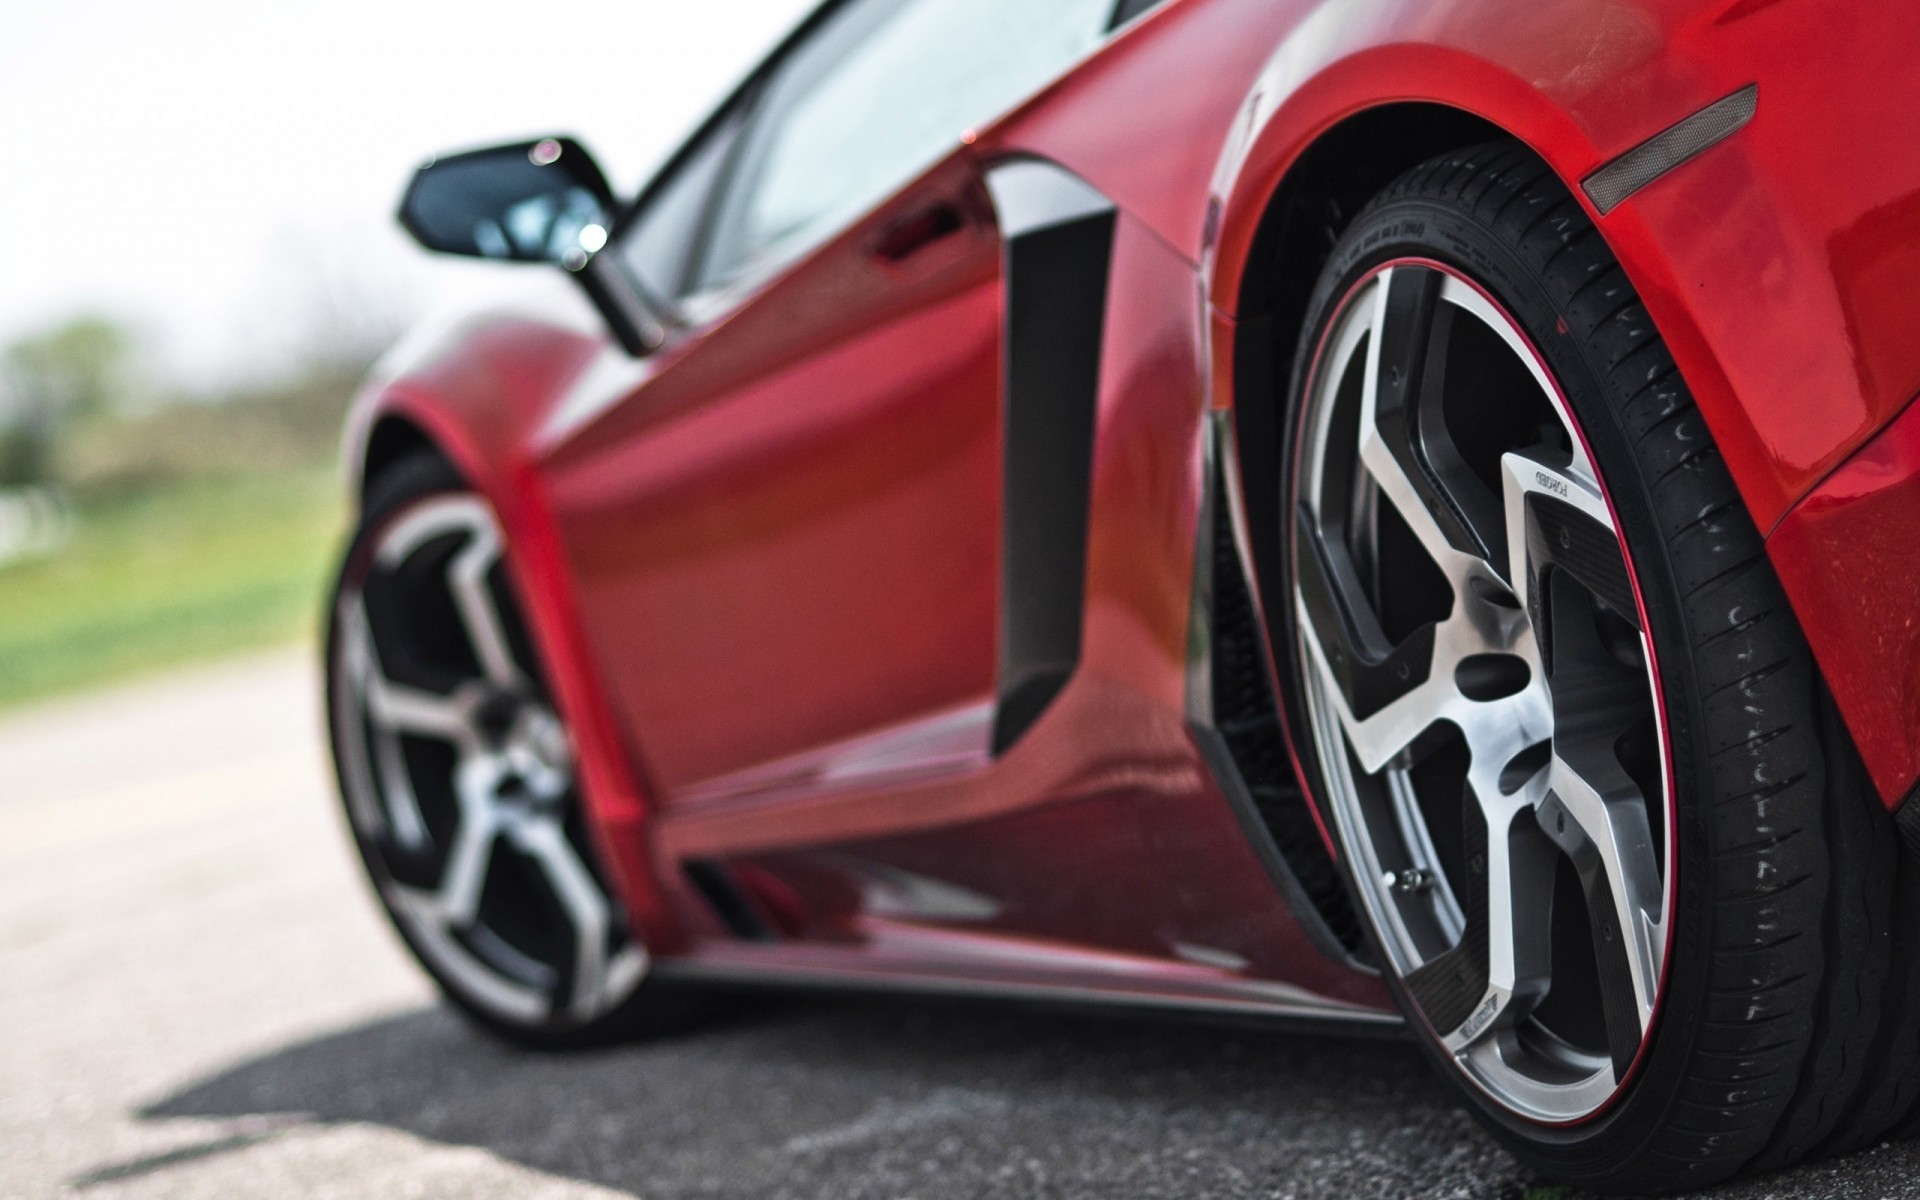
[{"x": 914, "y": 233}]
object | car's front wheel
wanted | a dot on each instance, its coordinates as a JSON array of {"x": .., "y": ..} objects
[
  {"x": 1619, "y": 861},
  {"x": 458, "y": 773}
]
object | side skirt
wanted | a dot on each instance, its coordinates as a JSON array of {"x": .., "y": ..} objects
[{"x": 798, "y": 966}]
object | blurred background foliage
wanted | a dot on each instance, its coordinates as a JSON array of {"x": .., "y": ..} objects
[
  {"x": 142, "y": 524},
  {"x": 172, "y": 378}
]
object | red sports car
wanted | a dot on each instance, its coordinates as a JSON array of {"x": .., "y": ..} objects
[{"x": 1378, "y": 514}]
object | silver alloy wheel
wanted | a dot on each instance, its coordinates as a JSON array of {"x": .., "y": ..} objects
[
  {"x": 461, "y": 775},
  {"x": 1482, "y": 692}
]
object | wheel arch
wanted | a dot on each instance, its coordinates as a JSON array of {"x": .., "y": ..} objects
[
  {"x": 1331, "y": 179},
  {"x": 1323, "y": 147},
  {"x": 392, "y": 420},
  {"x": 1753, "y": 333},
  {"x": 392, "y": 437},
  {"x": 1288, "y": 242}
]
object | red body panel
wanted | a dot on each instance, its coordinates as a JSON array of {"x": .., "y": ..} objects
[
  {"x": 786, "y": 537},
  {"x": 763, "y": 562},
  {"x": 1097, "y": 827},
  {"x": 468, "y": 388},
  {"x": 1851, "y": 553},
  {"x": 1783, "y": 267},
  {"x": 1779, "y": 266}
]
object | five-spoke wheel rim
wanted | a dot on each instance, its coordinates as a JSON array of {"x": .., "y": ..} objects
[
  {"x": 459, "y": 775},
  {"x": 1481, "y": 692}
]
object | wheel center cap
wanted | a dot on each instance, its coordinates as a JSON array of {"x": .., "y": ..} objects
[{"x": 537, "y": 749}]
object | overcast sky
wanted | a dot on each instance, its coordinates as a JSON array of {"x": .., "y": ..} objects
[{"x": 185, "y": 164}]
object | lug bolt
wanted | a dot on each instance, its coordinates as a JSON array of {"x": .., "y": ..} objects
[{"x": 1410, "y": 882}]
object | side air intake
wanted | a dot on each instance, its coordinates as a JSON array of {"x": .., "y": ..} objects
[{"x": 1248, "y": 728}]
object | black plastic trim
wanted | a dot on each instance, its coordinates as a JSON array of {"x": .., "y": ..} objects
[
  {"x": 1906, "y": 821},
  {"x": 1127, "y": 10},
  {"x": 716, "y": 886},
  {"x": 1253, "y": 1010},
  {"x": 1056, "y": 301},
  {"x": 1220, "y": 761},
  {"x": 1679, "y": 143},
  {"x": 1242, "y": 740}
]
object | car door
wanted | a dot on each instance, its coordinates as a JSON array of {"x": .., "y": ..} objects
[{"x": 787, "y": 535}]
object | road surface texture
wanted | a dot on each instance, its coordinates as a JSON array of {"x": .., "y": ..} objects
[{"x": 199, "y": 999}]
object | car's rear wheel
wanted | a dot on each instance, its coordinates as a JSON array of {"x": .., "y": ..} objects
[
  {"x": 1618, "y": 858},
  {"x": 1482, "y": 694},
  {"x": 458, "y": 776}
]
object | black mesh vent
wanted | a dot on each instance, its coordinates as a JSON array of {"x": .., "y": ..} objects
[
  {"x": 1244, "y": 714},
  {"x": 716, "y": 886}
]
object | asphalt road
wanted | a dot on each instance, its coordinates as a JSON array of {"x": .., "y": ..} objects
[{"x": 198, "y": 999}]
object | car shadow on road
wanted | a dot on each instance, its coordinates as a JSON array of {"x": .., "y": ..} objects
[
  {"x": 859, "y": 1097},
  {"x": 854, "y": 1097}
]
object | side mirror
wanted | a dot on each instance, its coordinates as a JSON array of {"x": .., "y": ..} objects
[
  {"x": 544, "y": 202},
  {"x": 528, "y": 202}
]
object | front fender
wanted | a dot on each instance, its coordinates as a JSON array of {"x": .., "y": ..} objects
[{"x": 483, "y": 387}]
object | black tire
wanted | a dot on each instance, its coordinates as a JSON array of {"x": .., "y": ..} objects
[
  {"x": 1780, "y": 1032},
  {"x": 408, "y": 611}
]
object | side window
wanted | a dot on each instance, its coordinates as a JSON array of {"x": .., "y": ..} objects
[
  {"x": 660, "y": 242},
  {"x": 879, "y": 93},
  {"x": 1129, "y": 9}
]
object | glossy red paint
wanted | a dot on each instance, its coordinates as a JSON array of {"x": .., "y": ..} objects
[
  {"x": 1774, "y": 265},
  {"x": 1851, "y": 552},
  {"x": 1093, "y": 829},
  {"x": 814, "y": 481},
  {"x": 480, "y": 390},
  {"x": 762, "y": 562},
  {"x": 494, "y": 367},
  {"x": 1780, "y": 266}
]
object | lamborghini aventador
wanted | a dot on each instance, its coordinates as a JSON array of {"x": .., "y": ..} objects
[{"x": 1357, "y": 514}]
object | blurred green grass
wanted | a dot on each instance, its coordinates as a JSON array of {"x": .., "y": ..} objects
[{"x": 170, "y": 572}]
